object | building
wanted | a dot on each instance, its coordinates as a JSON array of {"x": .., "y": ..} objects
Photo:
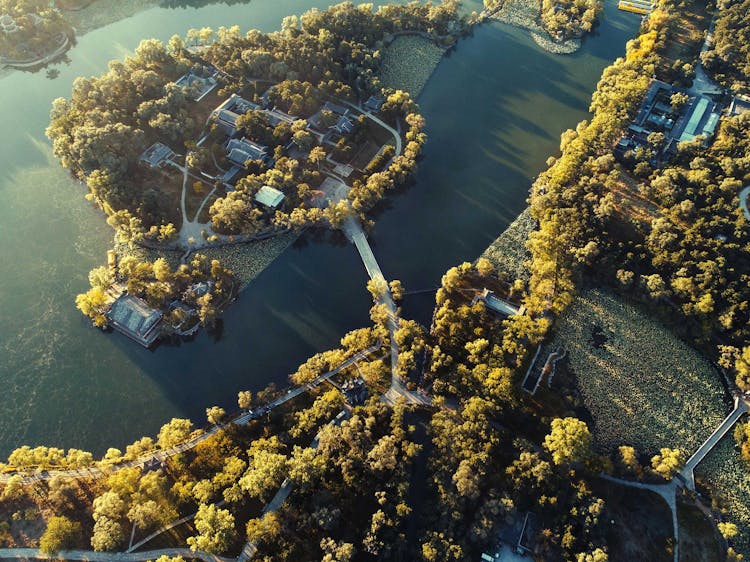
[
  {"x": 636, "y": 6},
  {"x": 157, "y": 155},
  {"x": 269, "y": 197},
  {"x": 498, "y": 305},
  {"x": 656, "y": 114},
  {"x": 374, "y": 103},
  {"x": 740, "y": 104},
  {"x": 227, "y": 113},
  {"x": 132, "y": 317},
  {"x": 239, "y": 151},
  {"x": 343, "y": 125},
  {"x": 198, "y": 86},
  {"x": 355, "y": 391}
]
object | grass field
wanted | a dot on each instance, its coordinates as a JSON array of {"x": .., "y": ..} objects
[
  {"x": 408, "y": 62},
  {"x": 643, "y": 386}
]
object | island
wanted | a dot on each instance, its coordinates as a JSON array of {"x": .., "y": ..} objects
[{"x": 222, "y": 139}]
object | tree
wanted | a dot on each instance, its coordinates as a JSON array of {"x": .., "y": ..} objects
[
  {"x": 485, "y": 267},
  {"x": 667, "y": 462},
  {"x": 569, "y": 441},
  {"x": 216, "y": 531},
  {"x": 244, "y": 399},
  {"x": 215, "y": 414},
  {"x": 728, "y": 530},
  {"x": 265, "y": 474},
  {"x": 174, "y": 433},
  {"x": 61, "y": 534}
]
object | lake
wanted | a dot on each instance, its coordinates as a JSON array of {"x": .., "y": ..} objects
[{"x": 495, "y": 108}]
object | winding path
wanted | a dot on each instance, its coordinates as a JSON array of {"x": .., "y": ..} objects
[
  {"x": 163, "y": 455},
  {"x": 667, "y": 491}
]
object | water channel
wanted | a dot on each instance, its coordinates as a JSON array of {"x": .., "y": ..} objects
[{"x": 495, "y": 109}]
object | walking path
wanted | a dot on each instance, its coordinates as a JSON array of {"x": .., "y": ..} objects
[
  {"x": 93, "y": 556},
  {"x": 162, "y": 455},
  {"x": 702, "y": 84},
  {"x": 741, "y": 406},
  {"x": 668, "y": 491}
]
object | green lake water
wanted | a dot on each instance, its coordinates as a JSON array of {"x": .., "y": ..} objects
[{"x": 495, "y": 109}]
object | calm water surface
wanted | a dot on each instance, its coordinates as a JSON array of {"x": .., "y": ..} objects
[{"x": 495, "y": 109}]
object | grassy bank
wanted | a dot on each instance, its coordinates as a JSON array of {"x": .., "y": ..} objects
[
  {"x": 246, "y": 261},
  {"x": 408, "y": 62},
  {"x": 643, "y": 386},
  {"x": 508, "y": 252},
  {"x": 525, "y": 14},
  {"x": 727, "y": 475}
]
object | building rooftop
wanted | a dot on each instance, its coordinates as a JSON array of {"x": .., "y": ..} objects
[
  {"x": 740, "y": 104},
  {"x": 199, "y": 86},
  {"x": 157, "y": 155},
  {"x": 133, "y": 317},
  {"x": 374, "y": 103},
  {"x": 241, "y": 150},
  {"x": 269, "y": 197}
]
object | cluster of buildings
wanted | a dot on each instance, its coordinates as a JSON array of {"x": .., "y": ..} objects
[
  {"x": 329, "y": 123},
  {"x": 678, "y": 122},
  {"x": 199, "y": 85}
]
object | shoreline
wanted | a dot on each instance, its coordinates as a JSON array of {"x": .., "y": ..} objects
[{"x": 524, "y": 14}]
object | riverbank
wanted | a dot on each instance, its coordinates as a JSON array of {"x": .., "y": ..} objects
[
  {"x": 525, "y": 14},
  {"x": 408, "y": 62},
  {"x": 508, "y": 252}
]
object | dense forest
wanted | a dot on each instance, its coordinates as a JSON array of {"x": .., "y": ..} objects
[{"x": 729, "y": 56}]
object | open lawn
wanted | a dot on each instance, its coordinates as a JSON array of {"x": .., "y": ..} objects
[
  {"x": 729, "y": 478},
  {"x": 640, "y": 523},
  {"x": 642, "y": 385},
  {"x": 408, "y": 62},
  {"x": 699, "y": 540}
]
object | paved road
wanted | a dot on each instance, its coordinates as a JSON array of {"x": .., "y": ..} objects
[
  {"x": 743, "y": 201},
  {"x": 93, "y": 556},
  {"x": 740, "y": 408},
  {"x": 163, "y": 455}
]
